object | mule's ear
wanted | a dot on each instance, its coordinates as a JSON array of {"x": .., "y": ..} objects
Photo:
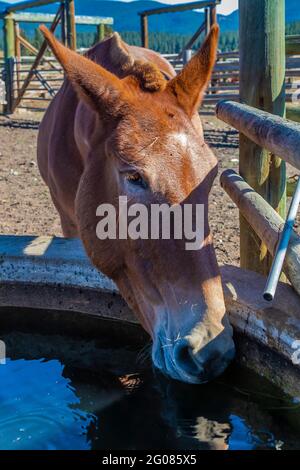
[
  {"x": 190, "y": 84},
  {"x": 98, "y": 87}
]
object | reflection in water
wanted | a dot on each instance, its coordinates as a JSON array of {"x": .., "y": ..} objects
[
  {"x": 39, "y": 408},
  {"x": 46, "y": 405},
  {"x": 212, "y": 433}
]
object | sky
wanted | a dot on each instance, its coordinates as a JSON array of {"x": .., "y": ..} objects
[{"x": 225, "y": 8}]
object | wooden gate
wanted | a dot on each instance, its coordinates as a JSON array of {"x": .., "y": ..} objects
[{"x": 31, "y": 81}]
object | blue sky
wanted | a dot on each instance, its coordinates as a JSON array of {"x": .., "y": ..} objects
[{"x": 225, "y": 8}]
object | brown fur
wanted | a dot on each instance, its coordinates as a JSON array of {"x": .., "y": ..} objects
[{"x": 125, "y": 119}]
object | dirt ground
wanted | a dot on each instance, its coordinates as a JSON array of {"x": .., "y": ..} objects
[{"x": 26, "y": 208}]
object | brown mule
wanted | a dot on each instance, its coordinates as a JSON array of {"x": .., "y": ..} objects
[{"x": 123, "y": 124}]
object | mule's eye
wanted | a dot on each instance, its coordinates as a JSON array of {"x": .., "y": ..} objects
[{"x": 137, "y": 180}]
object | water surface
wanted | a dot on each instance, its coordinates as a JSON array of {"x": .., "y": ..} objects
[{"x": 79, "y": 399}]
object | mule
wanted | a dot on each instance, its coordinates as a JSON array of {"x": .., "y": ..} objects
[{"x": 124, "y": 123}]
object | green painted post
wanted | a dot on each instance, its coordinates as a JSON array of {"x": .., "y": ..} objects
[
  {"x": 262, "y": 85},
  {"x": 100, "y": 32},
  {"x": 9, "y": 59}
]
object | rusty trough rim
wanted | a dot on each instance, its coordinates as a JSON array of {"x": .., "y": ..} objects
[{"x": 55, "y": 274}]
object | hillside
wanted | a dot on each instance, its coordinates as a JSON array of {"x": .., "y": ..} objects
[
  {"x": 126, "y": 16},
  {"x": 127, "y": 19}
]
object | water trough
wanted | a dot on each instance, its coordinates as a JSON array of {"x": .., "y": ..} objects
[{"x": 54, "y": 274}]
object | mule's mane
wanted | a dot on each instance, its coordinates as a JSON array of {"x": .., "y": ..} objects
[{"x": 148, "y": 75}]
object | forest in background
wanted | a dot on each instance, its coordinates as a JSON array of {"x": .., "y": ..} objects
[{"x": 165, "y": 43}]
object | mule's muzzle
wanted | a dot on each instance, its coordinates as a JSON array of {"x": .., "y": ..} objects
[{"x": 184, "y": 362}]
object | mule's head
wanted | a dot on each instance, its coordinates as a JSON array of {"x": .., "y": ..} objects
[{"x": 146, "y": 143}]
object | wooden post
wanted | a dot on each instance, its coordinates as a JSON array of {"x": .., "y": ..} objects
[
  {"x": 100, "y": 32},
  {"x": 144, "y": 31},
  {"x": 213, "y": 15},
  {"x": 262, "y": 85},
  {"x": 213, "y": 20},
  {"x": 63, "y": 24},
  {"x": 18, "y": 55},
  {"x": 9, "y": 59},
  {"x": 71, "y": 24}
]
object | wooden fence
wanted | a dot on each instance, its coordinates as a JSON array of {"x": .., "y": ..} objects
[
  {"x": 225, "y": 82},
  {"x": 279, "y": 137},
  {"x": 267, "y": 139},
  {"x": 210, "y": 18},
  {"x": 32, "y": 81},
  {"x": 24, "y": 76},
  {"x": 48, "y": 77}
]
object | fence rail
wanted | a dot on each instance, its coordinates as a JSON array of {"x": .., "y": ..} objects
[
  {"x": 40, "y": 76},
  {"x": 224, "y": 84},
  {"x": 281, "y": 138},
  {"x": 20, "y": 73}
]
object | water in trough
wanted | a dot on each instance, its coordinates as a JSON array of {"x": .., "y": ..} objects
[{"x": 63, "y": 391}]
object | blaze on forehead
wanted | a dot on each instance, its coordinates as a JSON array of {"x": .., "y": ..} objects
[
  {"x": 170, "y": 146},
  {"x": 134, "y": 135}
]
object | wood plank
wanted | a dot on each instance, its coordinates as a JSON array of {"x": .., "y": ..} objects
[
  {"x": 28, "y": 4},
  {"x": 49, "y": 17},
  {"x": 181, "y": 7}
]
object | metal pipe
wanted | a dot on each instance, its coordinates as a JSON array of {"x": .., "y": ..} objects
[
  {"x": 187, "y": 55},
  {"x": 265, "y": 221},
  {"x": 282, "y": 247}
]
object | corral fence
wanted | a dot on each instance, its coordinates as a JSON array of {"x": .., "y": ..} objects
[
  {"x": 225, "y": 82},
  {"x": 30, "y": 82},
  {"x": 279, "y": 137},
  {"x": 268, "y": 141},
  {"x": 210, "y": 18}
]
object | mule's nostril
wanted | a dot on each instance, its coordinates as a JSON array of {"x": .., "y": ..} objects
[{"x": 183, "y": 357}]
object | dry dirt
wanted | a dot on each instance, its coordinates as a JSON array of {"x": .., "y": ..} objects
[{"x": 26, "y": 207}]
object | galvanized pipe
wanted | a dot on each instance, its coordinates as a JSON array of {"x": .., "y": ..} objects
[
  {"x": 265, "y": 221},
  {"x": 282, "y": 247}
]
